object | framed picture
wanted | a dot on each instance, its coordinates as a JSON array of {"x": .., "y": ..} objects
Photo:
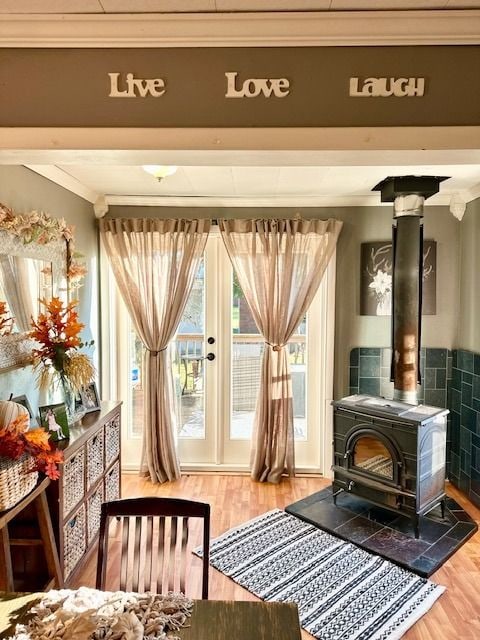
[
  {"x": 376, "y": 264},
  {"x": 90, "y": 399},
  {"x": 23, "y": 400},
  {"x": 53, "y": 418}
]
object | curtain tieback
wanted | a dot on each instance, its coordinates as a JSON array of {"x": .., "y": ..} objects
[
  {"x": 275, "y": 347},
  {"x": 155, "y": 353}
]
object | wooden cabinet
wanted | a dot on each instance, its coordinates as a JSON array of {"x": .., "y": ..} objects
[{"x": 90, "y": 474}]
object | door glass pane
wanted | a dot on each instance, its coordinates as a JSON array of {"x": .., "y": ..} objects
[
  {"x": 373, "y": 456},
  {"x": 188, "y": 365},
  {"x": 247, "y": 351}
]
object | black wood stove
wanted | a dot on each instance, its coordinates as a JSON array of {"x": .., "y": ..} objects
[
  {"x": 391, "y": 454},
  {"x": 387, "y": 451}
]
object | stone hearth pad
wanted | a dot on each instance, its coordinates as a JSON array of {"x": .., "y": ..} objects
[{"x": 386, "y": 533}]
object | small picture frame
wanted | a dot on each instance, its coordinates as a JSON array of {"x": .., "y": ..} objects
[
  {"x": 90, "y": 399},
  {"x": 53, "y": 418},
  {"x": 23, "y": 400}
]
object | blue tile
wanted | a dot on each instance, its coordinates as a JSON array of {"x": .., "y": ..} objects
[
  {"x": 476, "y": 404},
  {"x": 476, "y": 364},
  {"x": 354, "y": 376},
  {"x": 467, "y": 394},
  {"x": 468, "y": 418},
  {"x": 476, "y": 440},
  {"x": 353, "y": 391},
  {"x": 449, "y": 368},
  {"x": 476, "y": 458},
  {"x": 429, "y": 379},
  {"x": 465, "y": 439},
  {"x": 436, "y": 358},
  {"x": 369, "y": 366},
  {"x": 455, "y": 358},
  {"x": 441, "y": 378},
  {"x": 467, "y": 377},
  {"x": 456, "y": 379},
  {"x": 436, "y": 398},
  {"x": 465, "y": 462},
  {"x": 465, "y": 360},
  {"x": 369, "y": 386},
  {"x": 364, "y": 351},
  {"x": 354, "y": 355},
  {"x": 455, "y": 400},
  {"x": 464, "y": 482},
  {"x": 476, "y": 386}
]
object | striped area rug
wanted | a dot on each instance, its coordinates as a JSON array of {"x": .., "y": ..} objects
[{"x": 342, "y": 591}]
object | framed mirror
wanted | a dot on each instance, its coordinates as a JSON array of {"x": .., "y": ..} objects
[{"x": 28, "y": 272}]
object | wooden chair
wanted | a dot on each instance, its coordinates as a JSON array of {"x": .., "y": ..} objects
[{"x": 154, "y": 536}]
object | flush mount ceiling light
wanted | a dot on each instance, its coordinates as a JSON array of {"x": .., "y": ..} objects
[{"x": 160, "y": 172}]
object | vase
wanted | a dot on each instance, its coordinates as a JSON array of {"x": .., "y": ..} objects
[{"x": 74, "y": 412}]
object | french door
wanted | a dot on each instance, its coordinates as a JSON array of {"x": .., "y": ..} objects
[{"x": 216, "y": 361}]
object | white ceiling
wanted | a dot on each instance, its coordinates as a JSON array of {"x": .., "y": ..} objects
[
  {"x": 340, "y": 185},
  {"x": 217, "y": 6}
]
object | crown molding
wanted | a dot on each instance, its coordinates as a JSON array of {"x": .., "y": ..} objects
[{"x": 297, "y": 29}]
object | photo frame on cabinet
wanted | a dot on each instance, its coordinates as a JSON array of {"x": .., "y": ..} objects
[
  {"x": 53, "y": 418},
  {"x": 90, "y": 399}
]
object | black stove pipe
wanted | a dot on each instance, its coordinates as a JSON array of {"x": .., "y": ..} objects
[{"x": 408, "y": 194}]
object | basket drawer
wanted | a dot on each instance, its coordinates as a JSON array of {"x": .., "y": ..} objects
[
  {"x": 112, "y": 439},
  {"x": 73, "y": 481},
  {"x": 95, "y": 464},
  {"x": 112, "y": 483},
  {"x": 74, "y": 541},
  {"x": 94, "y": 506}
]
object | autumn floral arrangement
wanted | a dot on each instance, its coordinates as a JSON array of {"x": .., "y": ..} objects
[
  {"x": 15, "y": 441},
  {"x": 42, "y": 228},
  {"x": 57, "y": 332}
]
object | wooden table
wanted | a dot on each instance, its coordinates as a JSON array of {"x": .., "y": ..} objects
[{"x": 211, "y": 619}]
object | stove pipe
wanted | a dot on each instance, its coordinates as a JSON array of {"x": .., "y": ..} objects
[{"x": 408, "y": 194}]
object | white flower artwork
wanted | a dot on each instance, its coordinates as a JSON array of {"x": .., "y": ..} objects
[{"x": 376, "y": 278}]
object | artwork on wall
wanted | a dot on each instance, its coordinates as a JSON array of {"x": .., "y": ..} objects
[{"x": 376, "y": 263}]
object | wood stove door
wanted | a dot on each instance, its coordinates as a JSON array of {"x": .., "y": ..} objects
[{"x": 374, "y": 456}]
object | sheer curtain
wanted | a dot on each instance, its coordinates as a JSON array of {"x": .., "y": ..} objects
[
  {"x": 154, "y": 263},
  {"x": 279, "y": 265}
]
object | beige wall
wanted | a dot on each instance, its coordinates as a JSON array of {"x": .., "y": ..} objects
[
  {"x": 23, "y": 191},
  {"x": 361, "y": 224},
  {"x": 469, "y": 315}
]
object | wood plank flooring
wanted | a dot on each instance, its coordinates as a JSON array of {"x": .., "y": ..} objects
[{"x": 235, "y": 499}]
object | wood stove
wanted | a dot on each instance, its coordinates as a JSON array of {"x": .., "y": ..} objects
[{"x": 391, "y": 454}]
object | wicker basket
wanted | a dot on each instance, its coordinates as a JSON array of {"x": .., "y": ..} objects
[{"x": 16, "y": 480}]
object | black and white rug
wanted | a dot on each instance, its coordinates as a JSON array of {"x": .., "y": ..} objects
[{"x": 342, "y": 592}]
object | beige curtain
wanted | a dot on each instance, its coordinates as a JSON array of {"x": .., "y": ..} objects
[
  {"x": 154, "y": 263},
  {"x": 279, "y": 265}
]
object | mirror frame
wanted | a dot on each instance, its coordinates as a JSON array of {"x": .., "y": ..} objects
[{"x": 16, "y": 348}]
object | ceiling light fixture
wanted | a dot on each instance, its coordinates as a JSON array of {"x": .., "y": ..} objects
[{"x": 160, "y": 172}]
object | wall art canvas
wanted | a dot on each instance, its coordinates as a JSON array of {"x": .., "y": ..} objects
[{"x": 376, "y": 278}]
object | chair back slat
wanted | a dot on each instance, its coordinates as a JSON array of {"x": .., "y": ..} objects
[
  {"x": 148, "y": 554},
  {"x": 173, "y": 546},
  {"x": 161, "y": 554},
  {"x": 154, "y": 535},
  {"x": 124, "y": 555},
  {"x": 135, "y": 555},
  {"x": 183, "y": 554}
]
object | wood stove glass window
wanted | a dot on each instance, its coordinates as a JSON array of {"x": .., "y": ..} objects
[{"x": 370, "y": 454}]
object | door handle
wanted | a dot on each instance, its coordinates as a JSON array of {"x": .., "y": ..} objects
[{"x": 210, "y": 356}]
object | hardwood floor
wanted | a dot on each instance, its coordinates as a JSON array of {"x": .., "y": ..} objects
[{"x": 235, "y": 499}]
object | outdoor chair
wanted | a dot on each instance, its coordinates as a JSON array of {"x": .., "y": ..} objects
[{"x": 150, "y": 536}]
